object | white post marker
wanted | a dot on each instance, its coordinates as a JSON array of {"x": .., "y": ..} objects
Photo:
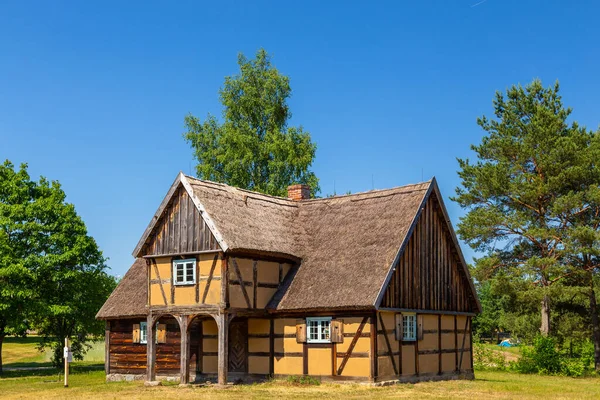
[{"x": 68, "y": 356}]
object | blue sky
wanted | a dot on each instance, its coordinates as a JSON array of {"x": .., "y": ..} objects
[{"x": 93, "y": 94}]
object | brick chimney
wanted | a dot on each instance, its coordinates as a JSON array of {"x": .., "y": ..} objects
[{"x": 298, "y": 192}]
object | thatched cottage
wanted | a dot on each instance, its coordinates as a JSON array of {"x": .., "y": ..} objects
[{"x": 230, "y": 283}]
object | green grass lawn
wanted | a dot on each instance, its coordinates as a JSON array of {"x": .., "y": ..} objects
[
  {"x": 23, "y": 353},
  {"x": 87, "y": 380}
]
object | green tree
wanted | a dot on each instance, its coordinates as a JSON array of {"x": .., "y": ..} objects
[
  {"x": 253, "y": 148},
  {"x": 53, "y": 275},
  {"x": 528, "y": 160}
]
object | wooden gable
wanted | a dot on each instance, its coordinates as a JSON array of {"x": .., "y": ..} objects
[
  {"x": 180, "y": 229},
  {"x": 430, "y": 273}
]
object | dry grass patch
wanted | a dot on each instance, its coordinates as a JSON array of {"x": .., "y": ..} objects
[{"x": 488, "y": 385}]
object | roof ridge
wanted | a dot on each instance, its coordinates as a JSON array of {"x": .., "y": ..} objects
[{"x": 295, "y": 202}]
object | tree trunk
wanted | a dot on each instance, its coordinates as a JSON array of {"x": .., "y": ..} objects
[
  {"x": 1, "y": 341},
  {"x": 595, "y": 326},
  {"x": 545, "y": 328}
]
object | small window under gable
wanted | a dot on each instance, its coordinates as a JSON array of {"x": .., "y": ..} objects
[
  {"x": 318, "y": 330},
  {"x": 409, "y": 327},
  {"x": 184, "y": 272}
]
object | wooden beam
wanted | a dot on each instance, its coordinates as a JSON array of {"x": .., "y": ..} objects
[
  {"x": 150, "y": 350},
  {"x": 434, "y": 312},
  {"x": 223, "y": 348},
  {"x": 186, "y": 253},
  {"x": 387, "y": 342},
  {"x": 348, "y": 353},
  {"x": 107, "y": 347},
  {"x": 305, "y": 358},
  {"x": 455, "y": 345},
  {"x": 271, "y": 346},
  {"x": 254, "y": 283},
  {"x": 224, "y": 301},
  {"x": 463, "y": 344},
  {"x": 374, "y": 358},
  {"x": 184, "y": 372},
  {"x": 440, "y": 344}
]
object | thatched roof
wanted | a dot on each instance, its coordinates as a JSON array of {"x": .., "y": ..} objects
[
  {"x": 345, "y": 245},
  {"x": 130, "y": 296}
]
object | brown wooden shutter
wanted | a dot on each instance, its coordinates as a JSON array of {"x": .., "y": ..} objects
[
  {"x": 399, "y": 327},
  {"x": 337, "y": 331},
  {"x": 419, "y": 327},
  {"x": 136, "y": 333},
  {"x": 161, "y": 333},
  {"x": 301, "y": 330}
]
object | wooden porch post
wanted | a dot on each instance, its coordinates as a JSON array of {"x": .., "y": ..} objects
[
  {"x": 185, "y": 350},
  {"x": 150, "y": 350},
  {"x": 107, "y": 347},
  {"x": 223, "y": 357}
]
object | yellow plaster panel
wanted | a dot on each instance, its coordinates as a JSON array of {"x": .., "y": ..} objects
[
  {"x": 287, "y": 345},
  {"x": 164, "y": 267},
  {"x": 384, "y": 366},
  {"x": 356, "y": 366},
  {"x": 363, "y": 345},
  {"x": 214, "y": 292},
  {"x": 209, "y": 327},
  {"x": 285, "y": 326},
  {"x": 210, "y": 344},
  {"x": 430, "y": 322},
  {"x": 236, "y": 297},
  {"x": 428, "y": 363},
  {"x": 388, "y": 320},
  {"x": 209, "y": 364},
  {"x": 448, "y": 362},
  {"x": 258, "y": 365},
  {"x": 205, "y": 264},
  {"x": 447, "y": 322},
  {"x": 460, "y": 322},
  {"x": 288, "y": 365},
  {"x": 256, "y": 325},
  {"x": 382, "y": 344},
  {"x": 408, "y": 360},
  {"x": 245, "y": 265},
  {"x": 268, "y": 272},
  {"x": 466, "y": 362},
  {"x": 258, "y": 345},
  {"x": 319, "y": 361},
  {"x": 263, "y": 296},
  {"x": 351, "y": 325},
  {"x": 448, "y": 341},
  {"x": 429, "y": 342},
  {"x": 185, "y": 295},
  {"x": 156, "y": 297}
]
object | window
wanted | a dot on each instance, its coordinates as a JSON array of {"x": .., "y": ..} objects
[
  {"x": 144, "y": 332},
  {"x": 409, "y": 327},
  {"x": 318, "y": 330},
  {"x": 184, "y": 272}
]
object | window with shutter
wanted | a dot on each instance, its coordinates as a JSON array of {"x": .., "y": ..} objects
[
  {"x": 318, "y": 330},
  {"x": 136, "y": 333},
  {"x": 409, "y": 327},
  {"x": 161, "y": 333},
  {"x": 143, "y": 333},
  {"x": 337, "y": 331},
  {"x": 300, "y": 331}
]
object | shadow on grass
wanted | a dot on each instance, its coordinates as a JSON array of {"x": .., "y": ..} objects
[
  {"x": 22, "y": 340},
  {"x": 41, "y": 369}
]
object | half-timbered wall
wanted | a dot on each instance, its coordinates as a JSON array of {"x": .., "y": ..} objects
[
  {"x": 274, "y": 341},
  {"x": 252, "y": 282},
  {"x": 181, "y": 229},
  {"x": 206, "y": 290},
  {"x": 443, "y": 347},
  {"x": 429, "y": 275}
]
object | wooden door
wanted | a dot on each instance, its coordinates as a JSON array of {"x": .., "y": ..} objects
[{"x": 238, "y": 345}]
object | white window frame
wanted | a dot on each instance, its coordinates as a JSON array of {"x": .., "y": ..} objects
[
  {"x": 184, "y": 264},
  {"x": 409, "y": 320},
  {"x": 143, "y": 332},
  {"x": 320, "y": 321}
]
